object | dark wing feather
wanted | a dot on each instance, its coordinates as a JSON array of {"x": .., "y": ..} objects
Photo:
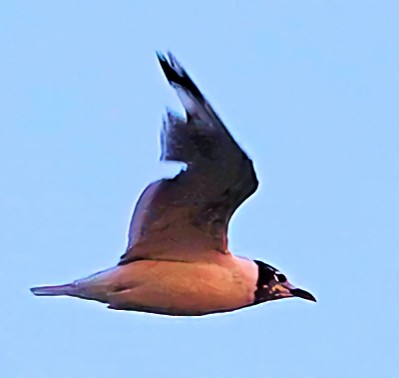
[{"x": 183, "y": 217}]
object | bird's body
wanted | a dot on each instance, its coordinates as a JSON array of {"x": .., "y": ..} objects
[
  {"x": 177, "y": 261},
  {"x": 177, "y": 288}
]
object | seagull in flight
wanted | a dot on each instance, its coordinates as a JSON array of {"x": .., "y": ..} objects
[{"x": 177, "y": 261}]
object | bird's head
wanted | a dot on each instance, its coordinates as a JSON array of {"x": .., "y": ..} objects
[{"x": 274, "y": 285}]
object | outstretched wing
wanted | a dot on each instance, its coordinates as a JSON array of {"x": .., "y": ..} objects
[{"x": 186, "y": 217}]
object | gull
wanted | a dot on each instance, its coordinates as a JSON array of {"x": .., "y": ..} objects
[{"x": 177, "y": 261}]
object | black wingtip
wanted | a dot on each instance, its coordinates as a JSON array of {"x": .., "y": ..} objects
[
  {"x": 172, "y": 59},
  {"x": 169, "y": 69},
  {"x": 193, "y": 100},
  {"x": 160, "y": 56}
]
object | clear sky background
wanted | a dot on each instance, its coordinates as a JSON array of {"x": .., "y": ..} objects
[{"x": 308, "y": 88}]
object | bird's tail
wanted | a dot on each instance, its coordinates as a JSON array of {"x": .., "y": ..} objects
[{"x": 67, "y": 289}]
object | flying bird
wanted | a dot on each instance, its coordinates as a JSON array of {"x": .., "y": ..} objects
[{"x": 177, "y": 261}]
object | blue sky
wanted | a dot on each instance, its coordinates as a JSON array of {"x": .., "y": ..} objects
[{"x": 308, "y": 88}]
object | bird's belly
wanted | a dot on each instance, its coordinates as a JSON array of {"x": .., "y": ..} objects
[{"x": 175, "y": 288}]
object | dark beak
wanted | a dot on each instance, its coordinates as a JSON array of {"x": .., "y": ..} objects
[{"x": 303, "y": 294}]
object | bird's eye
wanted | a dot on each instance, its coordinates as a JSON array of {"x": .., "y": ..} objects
[{"x": 280, "y": 277}]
